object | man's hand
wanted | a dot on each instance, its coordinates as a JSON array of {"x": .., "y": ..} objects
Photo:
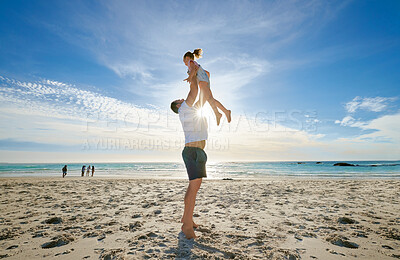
[{"x": 192, "y": 74}]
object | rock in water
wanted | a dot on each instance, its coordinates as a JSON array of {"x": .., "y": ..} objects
[{"x": 343, "y": 164}]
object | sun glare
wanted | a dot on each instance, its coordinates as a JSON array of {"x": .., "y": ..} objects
[{"x": 204, "y": 112}]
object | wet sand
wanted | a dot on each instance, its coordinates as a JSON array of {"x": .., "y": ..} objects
[{"x": 92, "y": 218}]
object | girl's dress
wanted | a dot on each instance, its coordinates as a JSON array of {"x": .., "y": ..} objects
[{"x": 201, "y": 74}]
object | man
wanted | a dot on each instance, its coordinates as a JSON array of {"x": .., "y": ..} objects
[{"x": 195, "y": 129}]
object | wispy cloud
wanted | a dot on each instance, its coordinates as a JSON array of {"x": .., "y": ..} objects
[
  {"x": 384, "y": 128},
  {"x": 135, "y": 71},
  {"x": 65, "y": 108},
  {"x": 54, "y": 98},
  {"x": 346, "y": 121},
  {"x": 370, "y": 104},
  {"x": 374, "y": 104}
]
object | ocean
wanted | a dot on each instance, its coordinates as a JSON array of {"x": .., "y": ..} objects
[{"x": 234, "y": 170}]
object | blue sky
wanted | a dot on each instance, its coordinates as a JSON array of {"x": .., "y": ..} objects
[{"x": 92, "y": 80}]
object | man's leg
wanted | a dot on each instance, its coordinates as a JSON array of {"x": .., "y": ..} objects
[
  {"x": 192, "y": 188},
  {"x": 190, "y": 199}
]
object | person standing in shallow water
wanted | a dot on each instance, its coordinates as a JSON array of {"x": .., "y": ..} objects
[
  {"x": 92, "y": 170},
  {"x": 83, "y": 170},
  {"x": 196, "y": 133},
  {"x": 88, "y": 171},
  {"x": 64, "y": 170}
]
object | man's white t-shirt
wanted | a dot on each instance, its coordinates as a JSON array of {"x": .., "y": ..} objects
[{"x": 194, "y": 125}]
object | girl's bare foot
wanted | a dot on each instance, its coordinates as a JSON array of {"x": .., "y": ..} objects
[
  {"x": 188, "y": 231},
  {"x": 218, "y": 116},
  {"x": 228, "y": 115}
]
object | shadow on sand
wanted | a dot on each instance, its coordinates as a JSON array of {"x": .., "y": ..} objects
[{"x": 185, "y": 247}]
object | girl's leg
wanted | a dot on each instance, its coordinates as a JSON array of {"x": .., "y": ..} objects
[
  {"x": 206, "y": 95},
  {"x": 213, "y": 102},
  {"x": 226, "y": 111}
]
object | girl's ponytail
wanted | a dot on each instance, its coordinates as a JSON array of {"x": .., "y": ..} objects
[{"x": 198, "y": 53}]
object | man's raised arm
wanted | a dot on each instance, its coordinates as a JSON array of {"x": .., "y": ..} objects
[
  {"x": 200, "y": 103},
  {"x": 194, "y": 89}
]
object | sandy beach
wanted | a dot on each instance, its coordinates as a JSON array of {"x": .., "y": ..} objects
[{"x": 106, "y": 218}]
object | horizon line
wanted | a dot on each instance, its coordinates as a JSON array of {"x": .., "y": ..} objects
[{"x": 245, "y": 161}]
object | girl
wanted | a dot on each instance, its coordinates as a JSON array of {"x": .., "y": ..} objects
[{"x": 203, "y": 78}]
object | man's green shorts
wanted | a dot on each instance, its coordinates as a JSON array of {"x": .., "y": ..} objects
[{"x": 195, "y": 160}]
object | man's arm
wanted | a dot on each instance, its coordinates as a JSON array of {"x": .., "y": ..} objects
[
  {"x": 192, "y": 93},
  {"x": 200, "y": 103},
  {"x": 193, "y": 71}
]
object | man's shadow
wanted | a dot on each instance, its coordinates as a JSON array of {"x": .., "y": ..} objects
[{"x": 185, "y": 246}]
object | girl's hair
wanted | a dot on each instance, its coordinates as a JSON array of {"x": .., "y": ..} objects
[{"x": 197, "y": 53}]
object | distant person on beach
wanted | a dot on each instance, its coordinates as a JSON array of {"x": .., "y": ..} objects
[
  {"x": 83, "y": 170},
  {"x": 64, "y": 170},
  {"x": 203, "y": 79},
  {"x": 88, "y": 171},
  {"x": 195, "y": 129},
  {"x": 92, "y": 170}
]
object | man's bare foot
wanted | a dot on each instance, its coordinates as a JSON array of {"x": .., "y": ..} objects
[
  {"x": 218, "y": 116},
  {"x": 188, "y": 231},
  {"x": 228, "y": 116},
  {"x": 194, "y": 224}
]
